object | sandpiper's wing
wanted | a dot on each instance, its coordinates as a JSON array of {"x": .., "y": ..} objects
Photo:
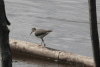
[{"x": 40, "y": 32}]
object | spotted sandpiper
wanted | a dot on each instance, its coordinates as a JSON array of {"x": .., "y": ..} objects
[{"x": 40, "y": 33}]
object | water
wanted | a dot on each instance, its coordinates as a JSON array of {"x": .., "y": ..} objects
[{"x": 69, "y": 20}]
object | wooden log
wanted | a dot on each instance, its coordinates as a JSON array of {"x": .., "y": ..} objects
[
  {"x": 30, "y": 59},
  {"x": 76, "y": 59},
  {"x": 34, "y": 49},
  {"x": 60, "y": 56}
]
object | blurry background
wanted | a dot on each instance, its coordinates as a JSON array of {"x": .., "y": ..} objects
[{"x": 69, "y": 20}]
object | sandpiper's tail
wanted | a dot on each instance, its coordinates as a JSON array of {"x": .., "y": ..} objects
[{"x": 49, "y": 30}]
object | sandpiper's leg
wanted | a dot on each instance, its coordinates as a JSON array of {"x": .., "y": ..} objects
[{"x": 43, "y": 42}]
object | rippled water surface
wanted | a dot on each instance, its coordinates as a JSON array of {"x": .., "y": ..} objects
[{"x": 69, "y": 20}]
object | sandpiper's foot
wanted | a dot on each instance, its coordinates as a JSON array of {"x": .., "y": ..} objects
[
  {"x": 39, "y": 45},
  {"x": 44, "y": 44}
]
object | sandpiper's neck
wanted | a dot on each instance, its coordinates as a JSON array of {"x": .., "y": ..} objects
[{"x": 34, "y": 32}]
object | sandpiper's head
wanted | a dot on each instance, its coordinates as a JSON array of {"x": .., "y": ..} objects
[{"x": 33, "y": 29}]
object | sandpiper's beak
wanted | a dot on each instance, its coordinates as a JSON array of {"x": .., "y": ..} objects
[{"x": 31, "y": 32}]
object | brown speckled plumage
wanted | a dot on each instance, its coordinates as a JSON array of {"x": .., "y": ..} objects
[{"x": 40, "y": 33}]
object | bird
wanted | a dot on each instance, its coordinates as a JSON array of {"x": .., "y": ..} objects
[{"x": 40, "y": 33}]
